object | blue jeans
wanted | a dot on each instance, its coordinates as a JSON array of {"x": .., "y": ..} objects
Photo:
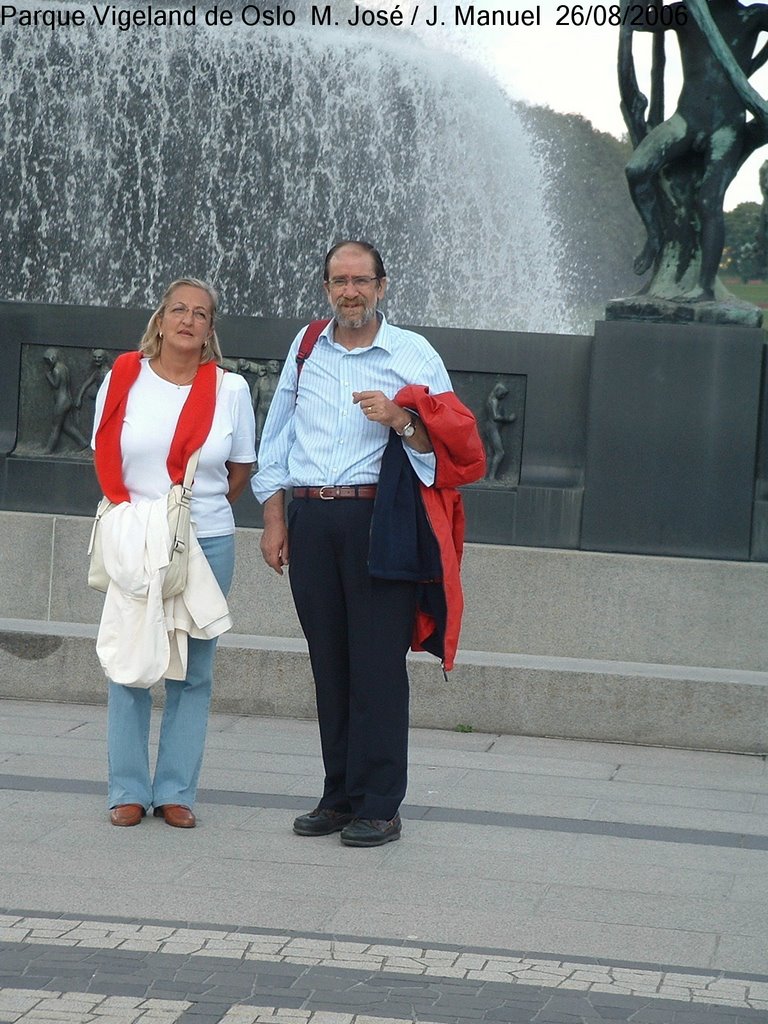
[{"x": 185, "y": 717}]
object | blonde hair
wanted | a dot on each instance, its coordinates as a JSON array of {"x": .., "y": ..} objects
[{"x": 151, "y": 341}]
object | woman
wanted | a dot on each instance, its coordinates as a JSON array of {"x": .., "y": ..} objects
[{"x": 166, "y": 401}]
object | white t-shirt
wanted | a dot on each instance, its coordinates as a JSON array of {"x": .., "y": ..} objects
[{"x": 151, "y": 415}]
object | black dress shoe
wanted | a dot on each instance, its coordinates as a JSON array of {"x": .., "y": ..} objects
[
  {"x": 371, "y": 832},
  {"x": 321, "y": 822}
]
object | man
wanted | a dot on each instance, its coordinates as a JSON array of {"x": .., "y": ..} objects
[
  {"x": 325, "y": 436},
  {"x": 709, "y": 122}
]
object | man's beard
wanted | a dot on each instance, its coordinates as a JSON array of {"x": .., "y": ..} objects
[{"x": 356, "y": 319}]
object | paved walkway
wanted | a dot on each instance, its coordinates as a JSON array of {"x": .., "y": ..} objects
[{"x": 537, "y": 881}]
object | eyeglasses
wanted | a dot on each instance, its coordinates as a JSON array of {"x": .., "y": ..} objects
[
  {"x": 201, "y": 315},
  {"x": 356, "y": 282}
]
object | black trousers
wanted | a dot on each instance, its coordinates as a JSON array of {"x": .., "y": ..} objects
[{"x": 358, "y": 630}]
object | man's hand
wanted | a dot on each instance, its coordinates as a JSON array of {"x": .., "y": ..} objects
[
  {"x": 376, "y": 406},
  {"x": 274, "y": 537}
]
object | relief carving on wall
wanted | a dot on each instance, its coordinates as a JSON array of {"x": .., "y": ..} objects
[{"x": 498, "y": 402}]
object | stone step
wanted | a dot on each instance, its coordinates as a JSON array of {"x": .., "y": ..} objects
[
  {"x": 692, "y": 707},
  {"x": 539, "y": 601}
]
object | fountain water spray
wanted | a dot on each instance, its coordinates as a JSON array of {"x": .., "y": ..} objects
[{"x": 132, "y": 157}]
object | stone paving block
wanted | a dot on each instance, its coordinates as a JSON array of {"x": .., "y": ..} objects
[
  {"x": 10, "y": 1000},
  {"x": 568, "y": 1018},
  {"x": 375, "y": 965},
  {"x": 46, "y": 1017},
  {"x": 178, "y": 948},
  {"x": 124, "y": 989},
  {"x": 402, "y": 951},
  {"x": 695, "y": 1017},
  {"x": 514, "y": 1014},
  {"x": 278, "y": 970},
  {"x": 317, "y": 945},
  {"x": 732, "y": 985},
  {"x": 673, "y": 992},
  {"x": 534, "y": 977},
  {"x": 627, "y": 976},
  {"x": 203, "y": 1015},
  {"x": 192, "y": 976},
  {"x": 567, "y": 1002},
  {"x": 349, "y": 949},
  {"x": 651, "y": 1015},
  {"x": 165, "y": 989},
  {"x": 48, "y": 940}
]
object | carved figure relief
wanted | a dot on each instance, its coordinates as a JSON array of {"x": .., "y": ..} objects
[
  {"x": 498, "y": 402},
  {"x": 62, "y": 422},
  {"x": 57, "y": 392},
  {"x": 101, "y": 364},
  {"x": 263, "y": 392},
  {"x": 263, "y": 378},
  {"x": 494, "y": 420}
]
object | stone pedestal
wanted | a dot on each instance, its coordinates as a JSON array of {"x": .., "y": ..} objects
[{"x": 672, "y": 432}]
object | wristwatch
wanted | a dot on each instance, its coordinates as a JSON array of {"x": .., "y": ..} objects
[{"x": 408, "y": 430}]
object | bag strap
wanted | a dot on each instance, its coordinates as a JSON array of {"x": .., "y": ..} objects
[
  {"x": 194, "y": 458},
  {"x": 311, "y": 334}
]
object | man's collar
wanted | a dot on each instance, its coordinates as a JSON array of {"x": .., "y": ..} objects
[{"x": 381, "y": 339}]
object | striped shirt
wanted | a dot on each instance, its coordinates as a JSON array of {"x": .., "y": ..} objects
[{"x": 319, "y": 436}]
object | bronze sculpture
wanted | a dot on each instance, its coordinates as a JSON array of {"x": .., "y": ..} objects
[{"x": 682, "y": 165}]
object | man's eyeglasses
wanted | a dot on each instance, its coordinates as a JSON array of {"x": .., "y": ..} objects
[
  {"x": 356, "y": 282},
  {"x": 202, "y": 316}
]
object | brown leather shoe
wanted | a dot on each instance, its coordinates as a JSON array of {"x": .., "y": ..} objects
[
  {"x": 126, "y": 814},
  {"x": 176, "y": 815}
]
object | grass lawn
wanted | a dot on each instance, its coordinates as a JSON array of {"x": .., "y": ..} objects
[{"x": 755, "y": 292}]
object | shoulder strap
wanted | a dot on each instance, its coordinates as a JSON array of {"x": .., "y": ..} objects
[
  {"x": 194, "y": 423},
  {"x": 311, "y": 334},
  {"x": 107, "y": 456},
  {"x": 194, "y": 458}
]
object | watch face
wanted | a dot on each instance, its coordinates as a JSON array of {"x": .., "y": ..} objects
[{"x": 409, "y": 430}]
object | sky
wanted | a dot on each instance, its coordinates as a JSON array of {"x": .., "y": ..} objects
[{"x": 572, "y": 69}]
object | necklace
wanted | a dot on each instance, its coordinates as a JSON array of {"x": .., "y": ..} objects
[{"x": 155, "y": 364}]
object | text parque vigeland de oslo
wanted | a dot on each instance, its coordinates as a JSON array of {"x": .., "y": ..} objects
[{"x": 252, "y": 16}]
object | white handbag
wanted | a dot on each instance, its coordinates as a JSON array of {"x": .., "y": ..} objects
[{"x": 179, "y": 498}]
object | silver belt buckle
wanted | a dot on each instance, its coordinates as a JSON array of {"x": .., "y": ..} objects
[{"x": 326, "y": 497}]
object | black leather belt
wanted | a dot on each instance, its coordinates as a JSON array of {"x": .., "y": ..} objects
[{"x": 329, "y": 493}]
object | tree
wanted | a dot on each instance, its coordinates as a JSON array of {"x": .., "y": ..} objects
[
  {"x": 599, "y": 229},
  {"x": 743, "y": 252}
]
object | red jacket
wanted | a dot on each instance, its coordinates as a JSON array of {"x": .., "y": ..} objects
[{"x": 460, "y": 459}]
